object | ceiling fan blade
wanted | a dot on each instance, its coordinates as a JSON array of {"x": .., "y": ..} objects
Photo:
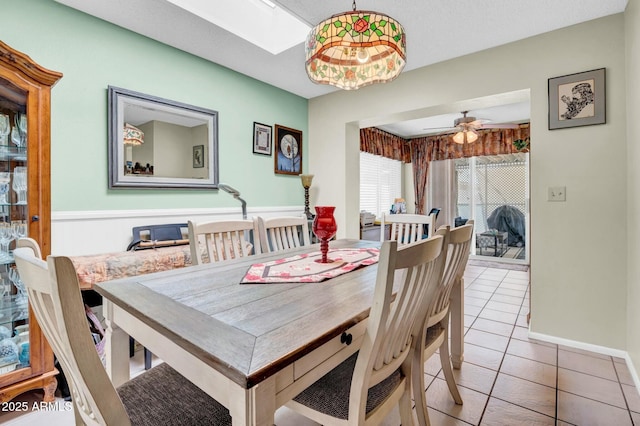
[
  {"x": 498, "y": 126},
  {"x": 439, "y": 128}
]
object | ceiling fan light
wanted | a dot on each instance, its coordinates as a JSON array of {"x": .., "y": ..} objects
[
  {"x": 355, "y": 49},
  {"x": 471, "y": 137}
]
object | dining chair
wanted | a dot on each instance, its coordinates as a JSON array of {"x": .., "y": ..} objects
[
  {"x": 159, "y": 396},
  {"x": 434, "y": 335},
  {"x": 223, "y": 240},
  {"x": 283, "y": 233},
  {"x": 408, "y": 228},
  {"x": 366, "y": 387}
]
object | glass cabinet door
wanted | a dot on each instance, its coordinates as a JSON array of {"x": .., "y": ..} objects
[{"x": 14, "y": 310}]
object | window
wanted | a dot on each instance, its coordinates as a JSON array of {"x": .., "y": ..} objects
[{"x": 380, "y": 183}]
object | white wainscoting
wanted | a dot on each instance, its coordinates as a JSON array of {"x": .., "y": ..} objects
[{"x": 92, "y": 232}]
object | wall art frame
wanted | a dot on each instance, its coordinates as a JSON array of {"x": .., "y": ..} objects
[
  {"x": 577, "y": 99},
  {"x": 287, "y": 151},
  {"x": 262, "y": 137},
  {"x": 198, "y": 156}
]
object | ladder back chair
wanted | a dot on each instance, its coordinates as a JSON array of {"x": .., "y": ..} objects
[
  {"x": 434, "y": 335},
  {"x": 408, "y": 228},
  {"x": 367, "y": 386},
  {"x": 223, "y": 240},
  {"x": 283, "y": 233},
  {"x": 159, "y": 396}
]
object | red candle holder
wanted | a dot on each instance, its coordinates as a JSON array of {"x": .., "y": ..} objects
[{"x": 324, "y": 227}]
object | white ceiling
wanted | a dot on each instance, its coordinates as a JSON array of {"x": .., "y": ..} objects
[{"x": 436, "y": 30}]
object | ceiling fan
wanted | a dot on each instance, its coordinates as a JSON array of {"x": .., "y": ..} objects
[{"x": 466, "y": 128}]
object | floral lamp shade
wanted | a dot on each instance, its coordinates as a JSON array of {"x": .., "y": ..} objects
[
  {"x": 355, "y": 49},
  {"x": 132, "y": 135}
]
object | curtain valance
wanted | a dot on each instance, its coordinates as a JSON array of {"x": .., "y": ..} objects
[{"x": 379, "y": 142}]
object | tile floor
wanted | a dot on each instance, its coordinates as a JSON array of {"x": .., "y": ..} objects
[{"x": 506, "y": 379}]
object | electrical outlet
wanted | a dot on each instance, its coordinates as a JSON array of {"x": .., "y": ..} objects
[{"x": 557, "y": 193}]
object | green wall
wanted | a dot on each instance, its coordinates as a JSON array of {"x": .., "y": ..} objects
[{"x": 93, "y": 54}]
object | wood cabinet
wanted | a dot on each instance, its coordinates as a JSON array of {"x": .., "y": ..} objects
[{"x": 25, "y": 205}]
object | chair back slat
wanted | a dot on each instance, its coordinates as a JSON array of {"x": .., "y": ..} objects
[
  {"x": 222, "y": 240},
  {"x": 414, "y": 271},
  {"x": 457, "y": 254},
  {"x": 408, "y": 228},
  {"x": 421, "y": 266},
  {"x": 283, "y": 233},
  {"x": 54, "y": 295}
]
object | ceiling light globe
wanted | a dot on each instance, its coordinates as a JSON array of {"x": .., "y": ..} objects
[{"x": 363, "y": 56}]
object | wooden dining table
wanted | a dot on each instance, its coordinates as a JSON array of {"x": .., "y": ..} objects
[{"x": 252, "y": 347}]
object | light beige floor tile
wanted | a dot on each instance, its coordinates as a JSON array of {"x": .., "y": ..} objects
[
  {"x": 499, "y": 272},
  {"x": 533, "y": 351},
  {"x": 473, "y": 377},
  {"x": 498, "y": 413},
  {"x": 432, "y": 365},
  {"x": 527, "y": 369},
  {"x": 592, "y": 387},
  {"x": 522, "y": 318},
  {"x": 468, "y": 320},
  {"x": 488, "y": 281},
  {"x": 441, "y": 419},
  {"x": 503, "y": 307},
  {"x": 513, "y": 286},
  {"x": 587, "y": 364},
  {"x": 507, "y": 299},
  {"x": 524, "y": 393},
  {"x": 472, "y": 301},
  {"x": 477, "y": 294},
  {"x": 287, "y": 417},
  {"x": 582, "y": 351},
  {"x": 624, "y": 375},
  {"x": 490, "y": 326},
  {"x": 520, "y": 333},
  {"x": 483, "y": 287},
  {"x": 507, "y": 317},
  {"x": 516, "y": 280},
  {"x": 487, "y": 340},
  {"x": 439, "y": 398},
  {"x": 510, "y": 292},
  {"x": 472, "y": 310},
  {"x": 583, "y": 411},
  {"x": 483, "y": 357},
  {"x": 632, "y": 397},
  {"x": 636, "y": 418}
]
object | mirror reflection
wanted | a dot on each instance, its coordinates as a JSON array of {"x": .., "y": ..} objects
[{"x": 156, "y": 142}]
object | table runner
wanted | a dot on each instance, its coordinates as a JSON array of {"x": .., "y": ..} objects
[{"x": 303, "y": 268}]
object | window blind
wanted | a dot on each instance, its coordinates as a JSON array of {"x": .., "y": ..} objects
[{"x": 380, "y": 183}]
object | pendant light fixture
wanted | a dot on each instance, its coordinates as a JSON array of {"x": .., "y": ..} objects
[{"x": 355, "y": 49}]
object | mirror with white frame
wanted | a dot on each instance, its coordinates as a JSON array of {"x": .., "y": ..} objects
[{"x": 159, "y": 143}]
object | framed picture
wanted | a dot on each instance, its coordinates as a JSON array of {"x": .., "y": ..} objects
[
  {"x": 261, "y": 139},
  {"x": 198, "y": 156},
  {"x": 577, "y": 99},
  {"x": 288, "y": 151}
]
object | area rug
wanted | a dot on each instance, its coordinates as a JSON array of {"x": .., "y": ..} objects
[{"x": 304, "y": 268}]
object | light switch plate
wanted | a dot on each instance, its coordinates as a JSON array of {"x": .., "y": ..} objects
[{"x": 557, "y": 193}]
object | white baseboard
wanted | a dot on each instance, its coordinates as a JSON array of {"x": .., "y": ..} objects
[
  {"x": 592, "y": 348},
  {"x": 77, "y": 233}
]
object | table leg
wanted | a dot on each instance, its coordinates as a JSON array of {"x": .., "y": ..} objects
[
  {"x": 116, "y": 348},
  {"x": 457, "y": 323},
  {"x": 256, "y": 406}
]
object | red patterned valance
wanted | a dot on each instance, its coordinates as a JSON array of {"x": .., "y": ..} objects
[
  {"x": 490, "y": 142},
  {"x": 379, "y": 142}
]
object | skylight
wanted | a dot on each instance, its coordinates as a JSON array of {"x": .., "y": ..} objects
[{"x": 260, "y": 22}]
